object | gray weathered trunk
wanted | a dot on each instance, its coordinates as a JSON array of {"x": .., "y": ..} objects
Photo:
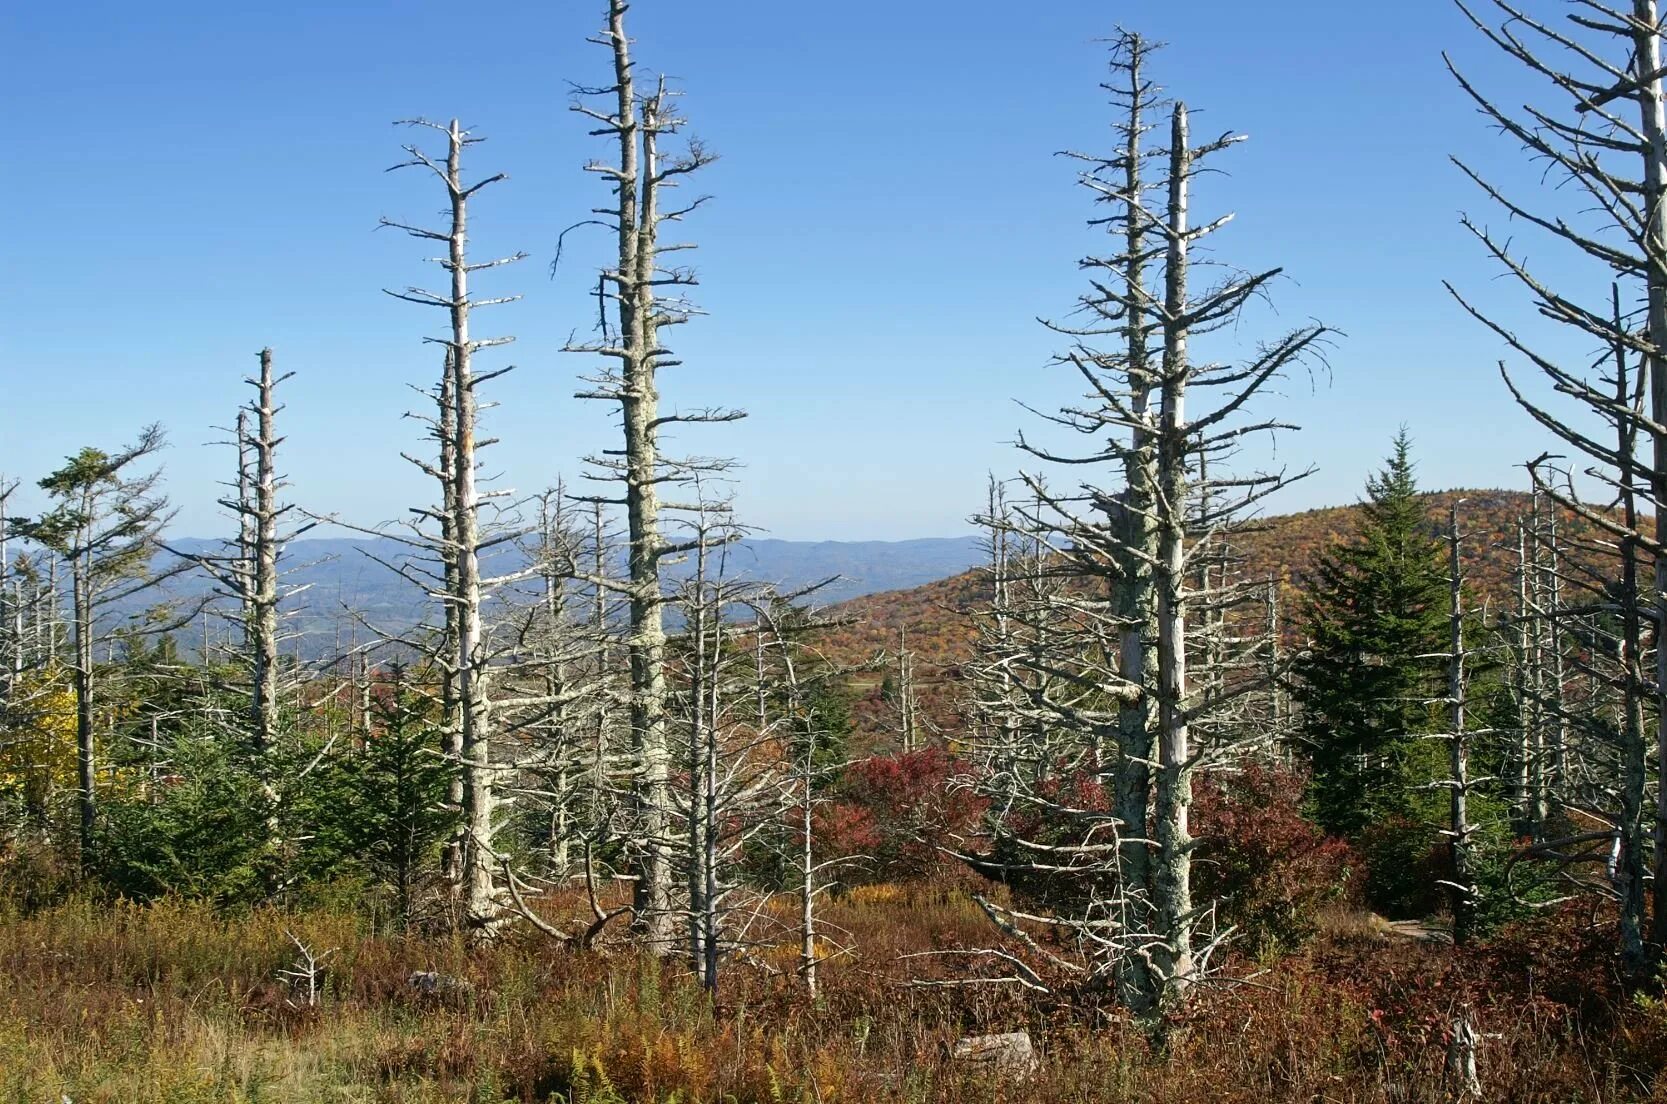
[
  {"x": 480, "y": 903},
  {"x": 1136, "y": 593},
  {"x": 1462, "y": 890},
  {"x": 450, "y": 700},
  {"x": 1172, "y": 880},
  {"x": 263, "y": 567},
  {"x": 1653, "y": 116}
]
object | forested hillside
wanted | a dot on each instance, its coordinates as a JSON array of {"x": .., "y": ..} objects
[{"x": 939, "y": 623}]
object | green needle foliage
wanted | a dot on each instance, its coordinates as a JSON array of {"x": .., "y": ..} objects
[
  {"x": 1376, "y": 619},
  {"x": 382, "y": 808}
]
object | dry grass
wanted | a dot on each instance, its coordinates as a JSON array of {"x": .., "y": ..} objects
[{"x": 170, "y": 1002}]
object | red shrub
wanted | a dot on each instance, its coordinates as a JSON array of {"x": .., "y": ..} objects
[
  {"x": 1271, "y": 867},
  {"x": 899, "y": 811}
]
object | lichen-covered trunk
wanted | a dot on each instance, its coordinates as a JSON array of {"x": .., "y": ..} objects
[
  {"x": 646, "y": 646},
  {"x": 1136, "y": 595},
  {"x": 480, "y": 902},
  {"x": 639, "y": 401},
  {"x": 81, "y": 599},
  {"x": 1628, "y": 875},
  {"x": 263, "y": 603},
  {"x": 1463, "y": 884},
  {"x": 1653, "y": 112},
  {"x": 1172, "y": 879},
  {"x": 451, "y": 721}
]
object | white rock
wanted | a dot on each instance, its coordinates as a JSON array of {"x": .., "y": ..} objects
[{"x": 1011, "y": 1053}]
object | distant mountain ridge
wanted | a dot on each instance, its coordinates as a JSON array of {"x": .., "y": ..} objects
[
  {"x": 340, "y": 574},
  {"x": 925, "y": 586}
]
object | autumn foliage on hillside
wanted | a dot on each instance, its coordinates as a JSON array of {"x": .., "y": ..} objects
[{"x": 941, "y": 624}]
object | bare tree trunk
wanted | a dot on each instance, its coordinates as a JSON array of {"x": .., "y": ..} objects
[
  {"x": 263, "y": 606},
  {"x": 637, "y": 229},
  {"x": 807, "y": 870},
  {"x": 603, "y": 715},
  {"x": 1172, "y": 882},
  {"x": 701, "y": 824},
  {"x": 462, "y": 534},
  {"x": 81, "y": 607},
  {"x": 709, "y": 814},
  {"x": 451, "y": 719},
  {"x": 1528, "y": 680},
  {"x": 1628, "y": 875},
  {"x": 552, "y": 541},
  {"x": 475, "y": 711},
  {"x": 1463, "y": 886},
  {"x": 1278, "y": 710},
  {"x": 1136, "y": 590},
  {"x": 11, "y": 656},
  {"x": 635, "y": 286},
  {"x": 1557, "y": 728},
  {"x": 908, "y": 711},
  {"x": 1646, "y": 34}
]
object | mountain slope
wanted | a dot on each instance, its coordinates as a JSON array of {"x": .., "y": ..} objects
[{"x": 942, "y": 631}]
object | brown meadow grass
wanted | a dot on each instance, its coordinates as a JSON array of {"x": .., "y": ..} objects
[{"x": 172, "y": 1002}]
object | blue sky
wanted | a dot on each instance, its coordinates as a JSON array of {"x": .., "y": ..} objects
[{"x": 190, "y": 181}]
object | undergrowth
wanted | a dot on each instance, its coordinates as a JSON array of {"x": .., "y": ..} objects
[{"x": 171, "y": 1002}]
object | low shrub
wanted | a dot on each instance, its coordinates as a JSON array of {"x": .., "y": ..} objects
[
  {"x": 900, "y": 813},
  {"x": 1273, "y": 871}
]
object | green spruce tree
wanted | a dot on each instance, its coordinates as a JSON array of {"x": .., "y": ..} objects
[
  {"x": 1376, "y": 621},
  {"x": 381, "y": 809}
]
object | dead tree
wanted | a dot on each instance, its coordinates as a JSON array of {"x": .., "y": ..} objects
[
  {"x": 1607, "y": 139},
  {"x": 1553, "y": 749},
  {"x": 305, "y": 977},
  {"x": 789, "y": 673},
  {"x": 722, "y": 750},
  {"x": 1536, "y": 757},
  {"x": 639, "y": 296},
  {"x": 906, "y": 697},
  {"x": 558, "y": 691},
  {"x": 560, "y": 654},
  {"x": 442, "y": 579},
  {"x": 463, "y": 534},
  {"x": 1020, "y": 658},
  {"x": 1461, "y": 886},
  {"x": 1132, "y": 550},
  {"x": 1116, "y": 620},
  {"x": 1279, "y": 706},
  {"x": 249, "y": 573},
  {"x": 11, "y": 605},
  {"x": 1527, "y": 677}
]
